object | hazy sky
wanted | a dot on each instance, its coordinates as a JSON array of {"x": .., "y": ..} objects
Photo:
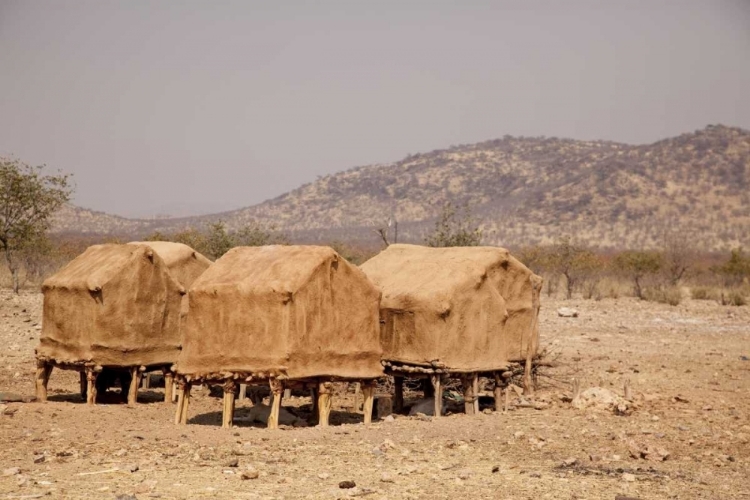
[{"x": 184, "y": 107}]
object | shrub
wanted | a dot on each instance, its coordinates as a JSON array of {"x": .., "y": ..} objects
[
  {"x": 733, "y": 298},
  {"x": 704, "y": 293},
  {"x": 664, "y": 295}
]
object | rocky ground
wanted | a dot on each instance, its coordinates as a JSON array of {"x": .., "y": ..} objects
[{"x": 686, "y": 434}]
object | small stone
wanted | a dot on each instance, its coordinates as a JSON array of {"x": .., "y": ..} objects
[
  {"x": 518, "y": 434},
  {"x": 324, "y": 475},
  {"x": 496, "y": 469},
  {"x": 131, "y": 467},
  {"x": 386, "y": 478},
  {"x": 569, "y": 462},
  {"x": 389, "y": 418},
  {"x": 628, "y": 477},
  {"x": 11, "y": 471},
  {"x": 250, "y": 474},
  {"x": 535, "y": 474},
  {"x": 464, "y": 474},
  {"x": 347, "y": 485},
  {"x": 232, "y": 462},
  {"x": 567, "y": 312},
  {"x": 38, "y": 459}
]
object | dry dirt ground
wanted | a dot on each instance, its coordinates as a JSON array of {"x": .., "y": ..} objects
[{"x": 690, "y": 377}]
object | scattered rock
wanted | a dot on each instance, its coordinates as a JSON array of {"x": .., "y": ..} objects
[
  {"x": 569, "y": 462},
  {"x": 38, "y": 459},
  {"x": 628, "y": 477},
  {"x": 347, "y": 485},
  {"x": 567, "y": 312},
  {"x": 389, "y": 418},
  {"x": 11, "y": 471},
  {"x": 602, "y": 399},
  {"x": 495, "y": 469},
  {"x": 386, "y": 478},
  {"x": 386, "y": 445},
  {"x": 324, "y": 475},
  {"x": 464, "y": 474},
  {"x": 131, "y": 467},
  {"x": 232, "y": 462},
  {"x": 250, "y": 473}
]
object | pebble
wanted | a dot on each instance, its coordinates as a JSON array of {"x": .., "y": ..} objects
[
  {"x": 386, "y": 478},
  {"x": 324, "y": 475},
  {"x": 250, "y": 474},
  {"x": 38, "y": 459},
  {"x": 628, "y": 477},
  {"x": 464, "y": 474},
  {"x": 12, "y": 471},
  {"x": 347, "y": 485},
  {"x": 232, "y": 462}
]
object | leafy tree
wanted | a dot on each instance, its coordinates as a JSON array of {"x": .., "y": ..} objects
[
  {"x": 28, "y": 199},
  {"x": 216, "y": 239},
  {"x": 638, "y": 265},
  {"x": 573, "y": 261},
  {"x": 455, "y": 228},
  {"x": 736, "y": 268}
]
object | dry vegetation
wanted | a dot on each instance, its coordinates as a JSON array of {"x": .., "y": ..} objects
[
  {"x": 688, "y": 367},
  {"x": 524, "y": 191}
]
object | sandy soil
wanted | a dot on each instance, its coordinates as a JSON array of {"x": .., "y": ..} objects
[{"x": 688, "y": 367}]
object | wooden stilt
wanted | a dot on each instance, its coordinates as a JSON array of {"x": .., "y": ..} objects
[
  {"x": 43, "y": 371},
  {"x": 507, "y": 400},
  {"x": 185, "y": 404},
  {"x": 228, "y": 413},
  {"x": 475, "y": 391},
  {"x": 168, "y": 385},
  {"x": 146, "y": 381},
  {"x": 243, "y": 392},
  {"x": 324, "y": 403},
  {"x": 277, "y": 391},
  {"x": 174, "y": 392},
  {"x": 357, "y": 396},
  {"x": 180, "y": 397},
  {"x": 368, "y": 391},
  {"x": 626, "y": 390},
  {"x": 287, "y": 393},
  {"x": 398, "y": 394},
  {"x": 437, "y": 390},
  {"x": 497, "y": 392},
  {"x": 467, "y": 382},
  {"x": 83, "y": 384},
  {"x": 135, "y": 381},
  {"x": 91, "y": 375}
]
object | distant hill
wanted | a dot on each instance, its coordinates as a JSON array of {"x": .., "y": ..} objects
[{"x": 523, "y": 190}]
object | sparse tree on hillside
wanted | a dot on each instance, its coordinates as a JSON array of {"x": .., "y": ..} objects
[
  {"x": 455, "y": 228},
  {"x": 736, "y": 269},
  {"x": 677, "y": 256},
  {"x": 216, "y": 240},
  {"x": 573, "y": 261},
  {"x": 638, "y": 265},
  {"x": 28, "y": 199}
]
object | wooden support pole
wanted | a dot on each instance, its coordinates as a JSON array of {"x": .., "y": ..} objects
[
  {"x": 368, "y": 391},
  {"x": 398, "y": 394},
  {"x": 287, "y": 393},
  {"x": 468, "y": 386},
  {"x": 437, "y": 390},
  {"x": 243, "y": 392},
  {"x": 497, "y": 392},
  {"x": 168, "y": 385},
  {"x": 475, "y": 391},
  {"x": 277, "y": 393},
  {"x": 228, "y": 411},
  {"x": 180, "y": 397},
  {"x": 83, "y": 384},
  {"x": 627, "y": 392},
  {"x": 324, "y": 403},
  {"x": 135, "y": 381},
  {"x": 357, "y": 395},
  {"x": 185, "y": 403},
  {"x": 91, "y": 375},
  {"x": 507, "y": 400},
  {"x": 146, "y": 381},
  {"x": 43, "y": 371}
]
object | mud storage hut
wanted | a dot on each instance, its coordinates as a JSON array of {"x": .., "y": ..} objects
[
  {"x": 114, "y": 311},
  {"x": 286, "y": 316},
  {"x": 455, "y": 312}
]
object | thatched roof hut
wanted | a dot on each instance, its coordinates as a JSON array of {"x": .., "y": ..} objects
[
  {"x": 463, "y": 309},
  {"x": 286, "y": 312}
]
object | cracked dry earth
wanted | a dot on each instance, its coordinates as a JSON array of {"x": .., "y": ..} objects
[{"x": 688, "y": 366}]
